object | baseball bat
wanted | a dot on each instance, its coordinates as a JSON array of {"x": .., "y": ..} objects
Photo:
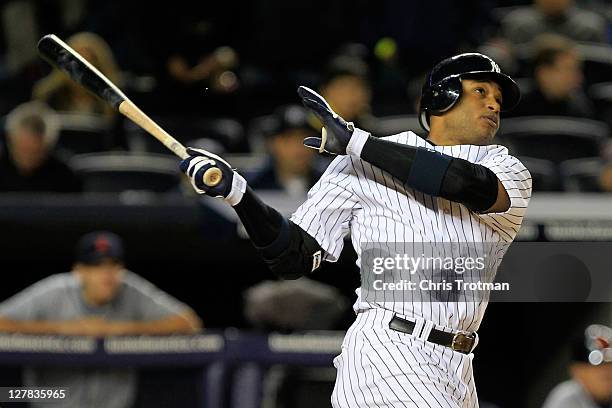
[{"x": 60, "y": 55}]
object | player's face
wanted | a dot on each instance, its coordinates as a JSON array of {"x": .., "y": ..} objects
[
  {"x": 596, "y": 379},
  {"x": 102, "y": 281},
  {"x": 563, "y": 78},
  {"x": 290, "y": 156},
  {"x": 28, "y": 149},
  {"x": 475, "y": 117},
  {"x": 553, "y": 7},
  {"x": 349, "y": 96}
]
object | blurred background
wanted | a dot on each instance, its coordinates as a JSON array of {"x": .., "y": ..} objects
[{"x": 222, "y": 75}]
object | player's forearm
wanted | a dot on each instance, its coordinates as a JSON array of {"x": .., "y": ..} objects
[
  {"x": 177, "y": 324},
  {"x": 30, "y": 326},
  {"x": 262, "y": 222},
  {"x": 286, "y": 248},
  {"x": 434, "y": 173}
]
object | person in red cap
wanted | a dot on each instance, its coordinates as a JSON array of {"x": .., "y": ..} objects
[{"x": 99, "y": 297}]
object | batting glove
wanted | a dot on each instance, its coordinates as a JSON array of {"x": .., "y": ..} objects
[
  {"x": 337, "y": 136},
  {"x": 232, "y": 185}
]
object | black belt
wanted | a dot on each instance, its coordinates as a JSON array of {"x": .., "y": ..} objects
[{"x": 463, "y": 342}]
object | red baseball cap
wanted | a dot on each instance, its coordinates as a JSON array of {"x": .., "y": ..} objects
[{"x": 98, "y": 246}]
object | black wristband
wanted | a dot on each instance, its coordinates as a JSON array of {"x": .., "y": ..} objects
[
  {"x": 434, "y": 173},
  {"x": 428, "y": 171},
  {"x": 419, "y": 167},
  {"x": 262, "y": 222}
]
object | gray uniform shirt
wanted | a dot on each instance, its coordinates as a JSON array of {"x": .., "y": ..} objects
[
  {"x": 58, "y": 297},
  {"x": 569, "y": 394}
]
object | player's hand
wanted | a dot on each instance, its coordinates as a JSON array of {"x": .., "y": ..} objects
[
  {"x": 336, "y": 132},
  {"x": 232, "y": 185}
]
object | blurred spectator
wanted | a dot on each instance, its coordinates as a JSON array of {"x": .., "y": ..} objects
[
  {"x": 195, "y": 59},
  {"x": 98, "y": 298},
  {"x": 557, "y": 74},
  {"x": 28, "y": 164},
  {"x": 553, "y": 16},
  {"x": 20, "y": 64},
  {"x": 20, "y": 33},
  {"x": 290, "y": 165},
  {"x": 590, "y": 385},
  {"x": 289, "y": 305},
  {"x": 293, "y": 306},
  {"x": 346, "y": 88},
  {"x": 210, "y": 68},
  {"x": 65, "y": 95}
]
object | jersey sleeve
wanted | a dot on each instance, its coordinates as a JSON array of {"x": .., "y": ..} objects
[
  {"x": 327, "y": 212},
  {"x": 33, "y": 302},
  {"x": 516, "y": 179}
]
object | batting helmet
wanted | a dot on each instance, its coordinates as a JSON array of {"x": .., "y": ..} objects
[{"x": 442, "y": 88}]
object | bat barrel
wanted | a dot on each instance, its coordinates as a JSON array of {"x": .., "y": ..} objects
[{"x": 59, "y": 54}]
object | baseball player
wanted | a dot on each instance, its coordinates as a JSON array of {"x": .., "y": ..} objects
[{"x": 455, "y": 186}]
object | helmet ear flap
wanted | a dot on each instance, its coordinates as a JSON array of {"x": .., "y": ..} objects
[
  {"x": 438, "y": 98},
  {"x": 445, "y": 94}
]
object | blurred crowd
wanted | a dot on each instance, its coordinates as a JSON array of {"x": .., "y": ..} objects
[{"x": 225, "y": 81}]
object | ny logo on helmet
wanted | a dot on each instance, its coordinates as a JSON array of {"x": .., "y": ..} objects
[{"x": 495, "y": 67}]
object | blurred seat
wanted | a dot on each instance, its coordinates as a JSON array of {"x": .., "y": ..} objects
[
  {"x": 601, "y": 95},
  {"x": 205, "y": 143},
  {"x": 228, "y": 132},
  {"x": 500, "y": 12},
  {"x": 122, "y": 171},
  {"x": 525, "y": 84},
  {"x": 544, "y": 174},
  {"x": 83, "y": 133},
  {"x": 582, "y": 174},
  {"x": 247, "y": 164},
  {"x": 597, "y": 60},
  {"x": 259, "y": 128},
  {"x": 553, "y": 138},
  {"x": 2, "y": 134}
]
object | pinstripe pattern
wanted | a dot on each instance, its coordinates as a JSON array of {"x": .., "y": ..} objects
[
  {"x": 379, "y": 367},
  {"x": 383, "y": 368}
]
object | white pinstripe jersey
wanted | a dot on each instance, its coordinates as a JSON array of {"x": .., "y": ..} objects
[{"x": 354, "y": 196}]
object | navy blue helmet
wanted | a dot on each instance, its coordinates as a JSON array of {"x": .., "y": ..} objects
[{"x": 442, "y": 87}]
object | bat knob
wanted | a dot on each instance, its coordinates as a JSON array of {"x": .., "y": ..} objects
[{"x": 212, "y": 176}]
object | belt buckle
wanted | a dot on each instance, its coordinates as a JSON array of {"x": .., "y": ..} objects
[{"x": 463, "y": 341}]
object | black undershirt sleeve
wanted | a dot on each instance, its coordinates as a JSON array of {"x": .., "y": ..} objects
[
  {"x": 434, "y": 173},
  {"x": 287, "y": 249},
  {"x": 262, "y": 222}
]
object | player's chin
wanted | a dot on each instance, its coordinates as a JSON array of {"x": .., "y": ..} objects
[
  {"x": 487, "y": 133},
  {"x": 484, "y": 136}
]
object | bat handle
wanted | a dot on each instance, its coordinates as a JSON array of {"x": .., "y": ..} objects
[
  {"x": 131, "y": 111},
  {"x": 213, "y": 176}
]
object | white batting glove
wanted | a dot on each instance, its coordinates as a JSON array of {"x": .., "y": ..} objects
[{"x": 232, "y": 185}]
